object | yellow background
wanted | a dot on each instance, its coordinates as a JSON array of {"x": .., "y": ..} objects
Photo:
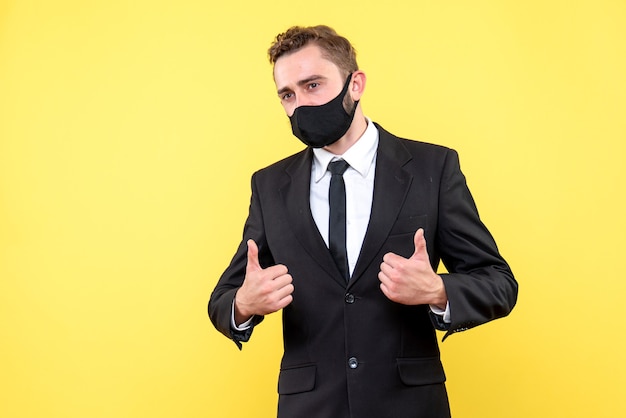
[{"x": 128, "y": 134}]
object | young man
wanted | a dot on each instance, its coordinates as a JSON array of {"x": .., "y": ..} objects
[{"x": 344, "y": 254}]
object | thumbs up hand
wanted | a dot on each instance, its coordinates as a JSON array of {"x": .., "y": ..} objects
[
  {"x": 263, "y": 290},
  {"x": 412, "y": 281}
]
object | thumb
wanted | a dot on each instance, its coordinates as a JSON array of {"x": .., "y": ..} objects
[
  {"x": 253, "y": 257},
  {"x": 420, "y": 245}
]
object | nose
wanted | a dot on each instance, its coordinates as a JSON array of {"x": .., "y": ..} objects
[{"x": 299, "y": 101}]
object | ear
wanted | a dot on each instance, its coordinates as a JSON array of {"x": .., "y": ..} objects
[{"x": 358, "y": 85}]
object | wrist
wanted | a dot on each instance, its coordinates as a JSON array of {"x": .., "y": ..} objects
[
  {"x": 241, "y": 313},
  {"x": 440, "y": 297}
]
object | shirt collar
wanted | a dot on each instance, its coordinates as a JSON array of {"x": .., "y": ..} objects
[{"x": 359, "y": 156}]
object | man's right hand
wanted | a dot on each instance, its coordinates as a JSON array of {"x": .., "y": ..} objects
[{"x": 263, "y": 290}]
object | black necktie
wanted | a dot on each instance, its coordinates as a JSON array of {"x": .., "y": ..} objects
[{"x": 337, "y": 224}]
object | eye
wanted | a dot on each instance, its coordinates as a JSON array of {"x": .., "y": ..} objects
[
  {"x": 313, "y": 85},
  {"x": 286, "y": 96}
]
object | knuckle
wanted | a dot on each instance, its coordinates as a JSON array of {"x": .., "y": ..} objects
[{"x": 267, "y": 288}]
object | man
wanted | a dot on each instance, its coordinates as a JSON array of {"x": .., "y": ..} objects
[{"x": 351, "y": 258}]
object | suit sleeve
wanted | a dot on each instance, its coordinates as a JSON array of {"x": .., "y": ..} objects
[
  {"x": 480, "y": 285},
  {"x": 221, "y": 301}
]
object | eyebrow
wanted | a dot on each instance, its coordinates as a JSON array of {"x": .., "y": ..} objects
[{"x": 302, "y": 83}]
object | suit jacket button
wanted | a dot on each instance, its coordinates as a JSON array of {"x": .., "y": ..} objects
[
  {"x": 349, "y": 298},
  {"x": 353, "y": 363}
]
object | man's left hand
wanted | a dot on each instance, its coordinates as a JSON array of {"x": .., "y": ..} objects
[{"x": 412, "y": 281}]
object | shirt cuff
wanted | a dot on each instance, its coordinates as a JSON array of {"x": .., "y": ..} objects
[
  {"x": 443, "y": 313},
  {"x": 244, "y": 326}
]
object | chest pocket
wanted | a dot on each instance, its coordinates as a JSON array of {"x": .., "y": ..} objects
[{"x": 408, "y": 225}]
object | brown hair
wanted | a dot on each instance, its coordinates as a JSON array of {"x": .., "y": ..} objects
[{"x": 335, "y": 48}]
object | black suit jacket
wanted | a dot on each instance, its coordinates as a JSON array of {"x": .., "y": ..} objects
[{"x": 348, "y": 350}]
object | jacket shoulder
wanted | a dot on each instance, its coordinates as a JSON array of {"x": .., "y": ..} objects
[
  {"x": 417, "y": 149},
  {"x": 281, "y": 166}
]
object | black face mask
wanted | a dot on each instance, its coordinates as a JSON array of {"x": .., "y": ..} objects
[{"x": 319, "y": 126}]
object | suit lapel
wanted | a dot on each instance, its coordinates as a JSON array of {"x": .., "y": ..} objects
[
  {"x": 295, "y": 193},
  {"x": 391, "y": 185}
]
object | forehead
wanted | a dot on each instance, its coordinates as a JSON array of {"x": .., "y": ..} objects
[{"x": 302, "y": 64}]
